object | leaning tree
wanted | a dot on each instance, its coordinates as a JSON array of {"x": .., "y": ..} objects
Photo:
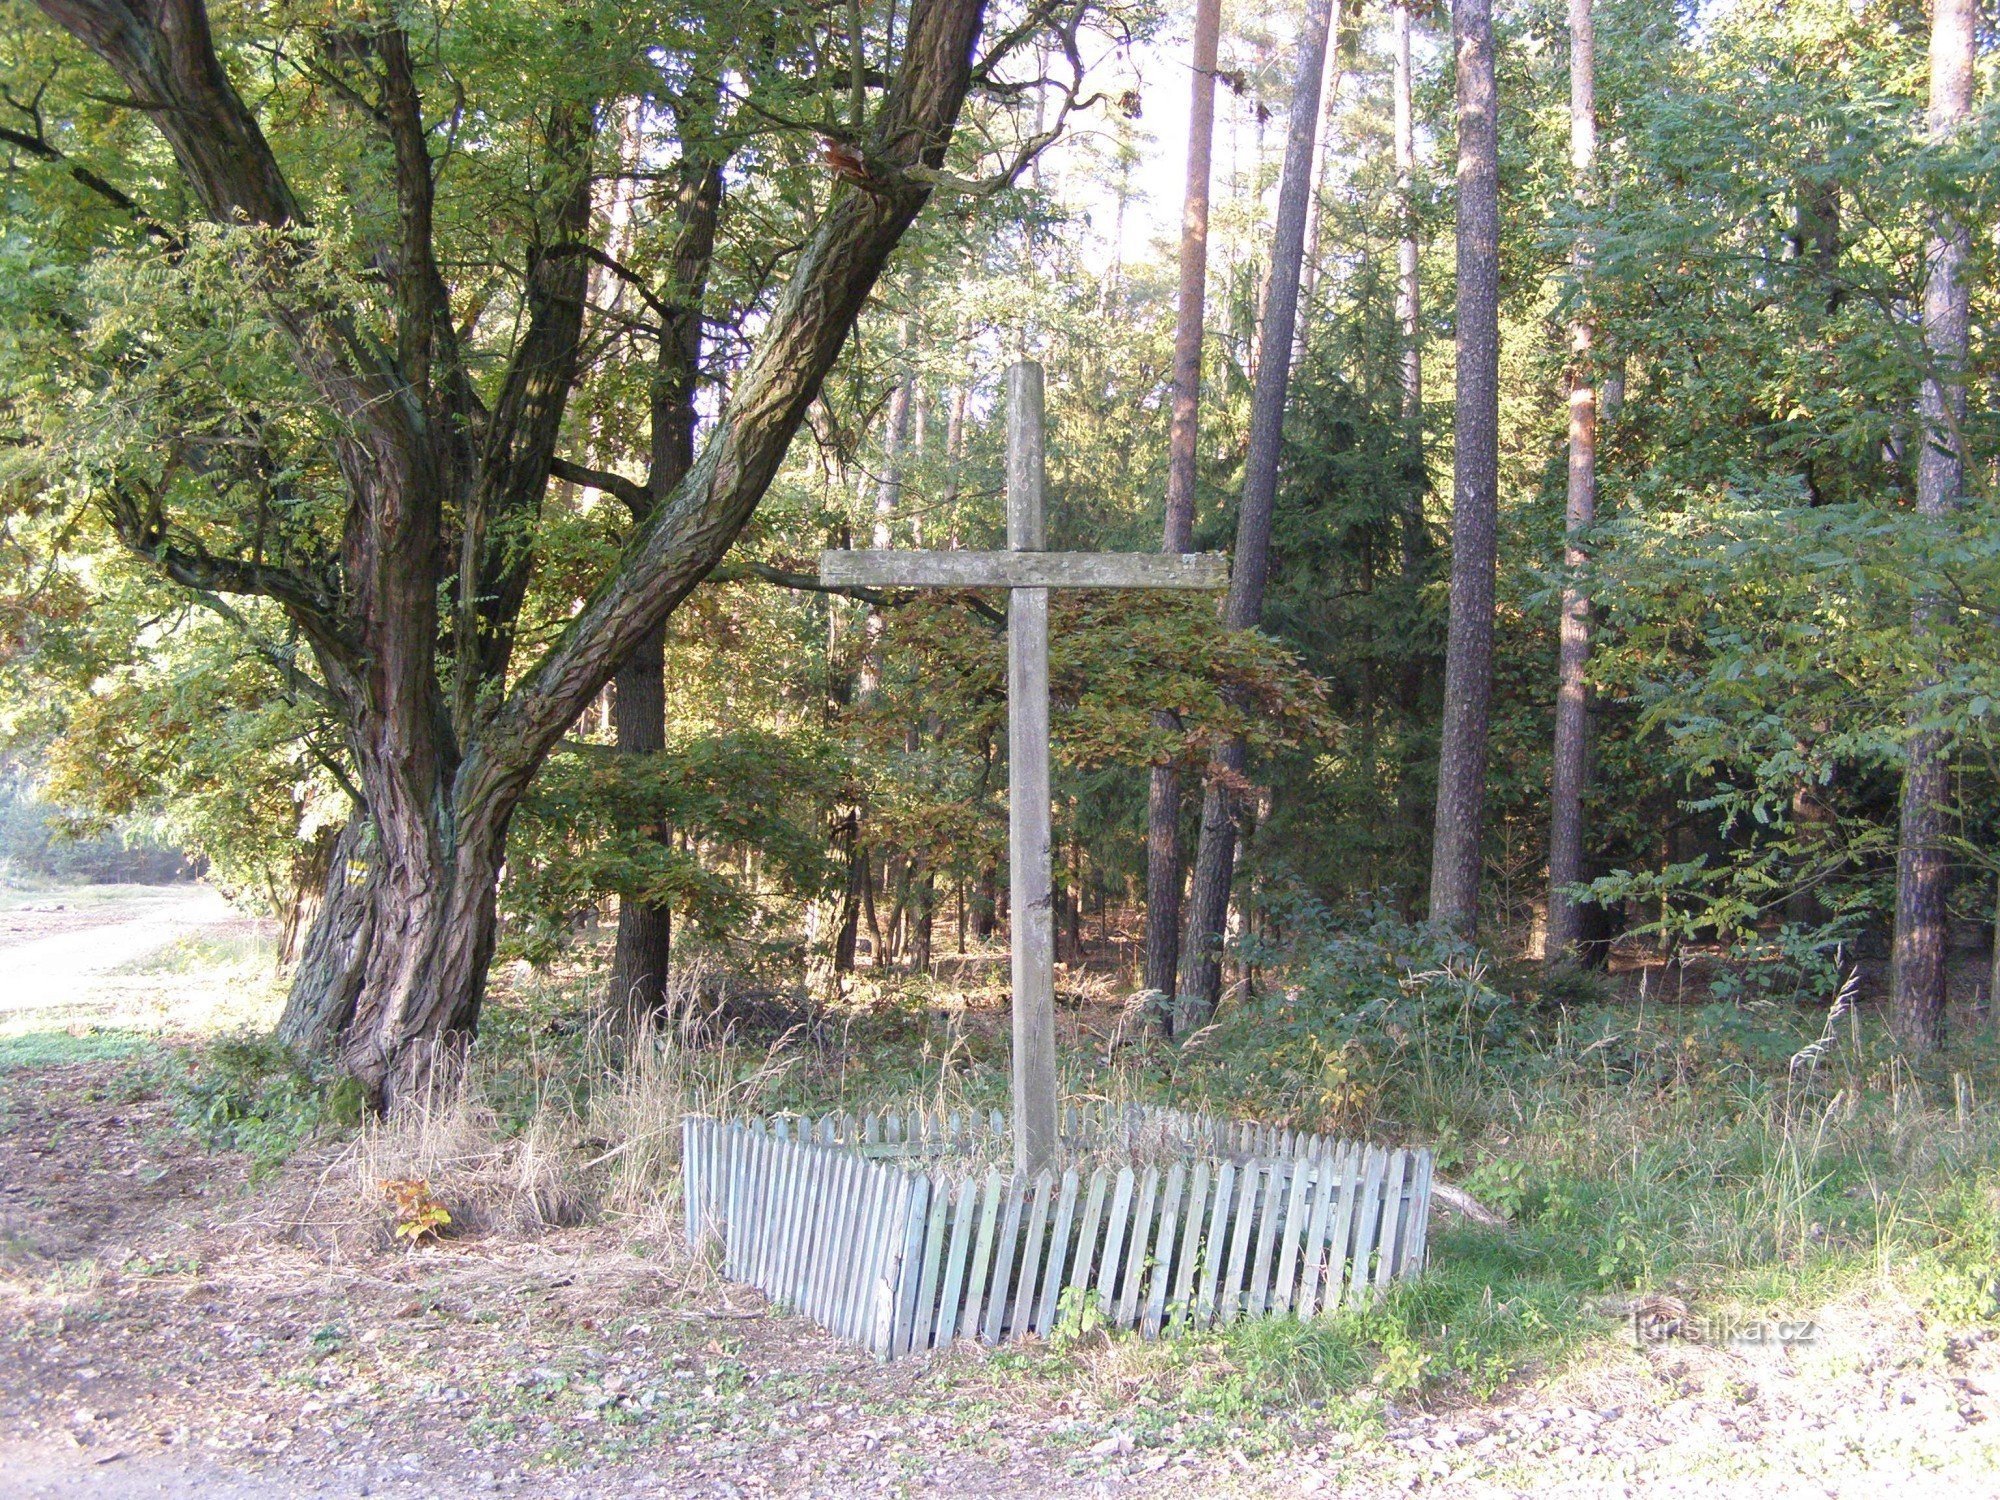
[{"x": 366, "y": 312}]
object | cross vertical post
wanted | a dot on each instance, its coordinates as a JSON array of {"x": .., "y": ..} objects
[
  {"x": 1031, "y": 892},
  {"x": 1027, "y": 570}
]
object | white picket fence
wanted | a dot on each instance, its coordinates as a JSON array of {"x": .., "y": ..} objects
[{"x": 843, "y": 1219}]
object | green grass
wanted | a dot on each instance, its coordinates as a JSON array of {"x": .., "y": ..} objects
[
  {"x": 53, "y": 1048},
  {"x": 1681, "y": 1151}
]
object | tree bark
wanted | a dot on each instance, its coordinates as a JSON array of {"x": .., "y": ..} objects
[
  {"x": 1468, "y": 679},
  {"x": 644, "y": 950},
  {"x": 1163, "y": 803},
  {"x": 847, "y": 936},
  {"x": 327, "y": 978},
  {"x": 444, "y": 749},
  {"x": 1409, "y": 307},
  {"x": 1993, "y": 966},
  {"x": 1923, "y": 871},
  {"x": 1215, "y": 855},
  {"x": 1570, "y": 761},
  {"x": 986, "y": 903},
  {"x": 1329, "y": 102},
  {"x": 641, "y": 959},
  {"x": 1413, "y": 537}
]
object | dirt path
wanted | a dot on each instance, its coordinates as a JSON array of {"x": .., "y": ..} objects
[{"x": 52, "y": 946}]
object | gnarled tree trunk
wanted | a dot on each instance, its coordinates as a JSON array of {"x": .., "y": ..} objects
[
  {"x": 445, "y": 740},
  {"x": 326, "y": 980}
]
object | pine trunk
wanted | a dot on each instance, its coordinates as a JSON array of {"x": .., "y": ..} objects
[
  {"x": 1412, "y": 808},
  {"x": 1163, "y": 803},
  {"x": 1923, "y": 870},
  {"x": 1215, "y": 855},
  {"x": 1329, "y": 103},
  {"x": 1468, "y": 675},
  {"x": 1570, "y": 761},
  {"x": 640, "y": 960},
  {"x": 644, "y": 950}
]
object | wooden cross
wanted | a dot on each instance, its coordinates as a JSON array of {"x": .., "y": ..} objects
[{"x": 1028, "y": 572}]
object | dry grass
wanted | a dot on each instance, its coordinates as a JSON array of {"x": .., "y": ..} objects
[{"x": 599, "y": 1141}]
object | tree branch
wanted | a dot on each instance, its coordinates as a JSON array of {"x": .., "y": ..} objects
[
  {"x": 615, "y": 266},
  {"x": 164, "y": 53},
  {"x": 630, "y": 491},
  {"x": 693, "y": 526},
  {"x": 517, "y": 457},
  {"x": 117, "y": 197},
  {"x": 144, "y": 533}
]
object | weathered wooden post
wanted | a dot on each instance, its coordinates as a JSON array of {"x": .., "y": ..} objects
[
  {"x": 1031, "y": 888},
  {"x": 1028, "y": 572}
]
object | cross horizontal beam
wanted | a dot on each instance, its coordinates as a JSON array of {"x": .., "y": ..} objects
[{"x": 1026, "y": 570}]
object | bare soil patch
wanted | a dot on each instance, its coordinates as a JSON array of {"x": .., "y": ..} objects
[{"x": 159, "y": 1318}]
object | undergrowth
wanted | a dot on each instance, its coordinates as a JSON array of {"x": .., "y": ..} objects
[{"x": 1747, "y": 1156}]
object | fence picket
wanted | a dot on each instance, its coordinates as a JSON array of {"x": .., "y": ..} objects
[
  {"x": 770, "y": 1204},
  {"x": 1031, "y": 1255},
  {"x": 1213, "y": 1247},
  {"x": 1392, "y": 1219},
  {"x": 1004, "y": 1252},
  {"x": 1059, "y": 1238},
  {"x": 1163, "y": 1252},
  {"x": 739, "y": 1151},
  {"x": 1326, "y": 1188},
  {"x": 1340, "y": 1237},
  {"x": 954, "y": 1275},
  {"x": 743, "y": 1233},
  {"x": 1135, "y": 1255},
  {"x": 878, "y": 1299},
  {"x": 1418, "y": 1239},
  {"x": 1248, "y": 1183},
  {"x": 1290, "y": 1229},
  {"x": 982, "y": 1257},
  {"x": 1086, "y": 1243},
  {"x": 1267, "y": 1236},
  {"x": 1114, "y": 1242},
  {"x": 690, "y": 1181},
  {"x": 923, "y": 1323},
  {"x": 1185, "y": 1262},
  {"x": 1368, "y": 1209}
]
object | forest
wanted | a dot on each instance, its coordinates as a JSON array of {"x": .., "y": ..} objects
[{"x": 420, "y": 428}]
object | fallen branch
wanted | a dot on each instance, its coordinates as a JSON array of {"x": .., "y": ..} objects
[{"x": 1459, "y": 1201}]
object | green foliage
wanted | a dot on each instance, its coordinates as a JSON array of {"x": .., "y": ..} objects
[
  {"x": 254, "y": 1095},
  {"x": 1354, "y": 997},
  {"x": 589, "y": 829}
]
